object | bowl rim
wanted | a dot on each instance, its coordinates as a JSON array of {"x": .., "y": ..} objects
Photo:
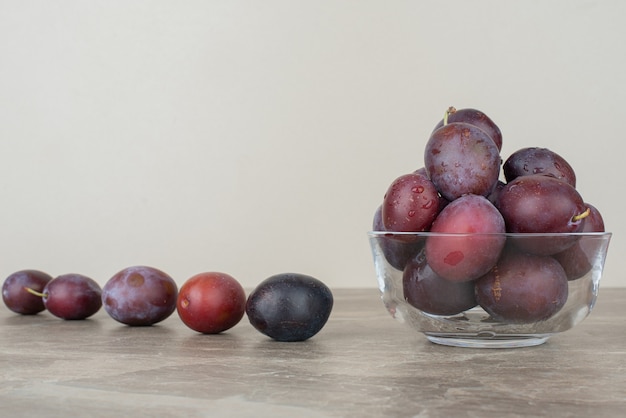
[{"x": 376, "y": 234}]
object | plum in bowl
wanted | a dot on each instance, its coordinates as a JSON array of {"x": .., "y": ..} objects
[{"x": 489, "y": 290}]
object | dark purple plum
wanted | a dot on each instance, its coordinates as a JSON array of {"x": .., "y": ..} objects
[
  {"x": 522, "y": 288},
  {"x": 410, "y": 204},
  {"x": 427, "y": 291},
  {"x": 594, "y": 222},
  {"x": 72, "y": 296},
  {"x": 140, "y": 296},
  {"x": 17, "y": 298},
  {"x": 476, "y": 118},
  {"x": 289, "y": 307},
  {"x": 493, "y": 196},
  {"x": 534, "y": 160},
  {"x": 398, "y": 249},
  {"x": 542, "y": 204},
  {"x": 442, "y": 200},
  {"x": 538, "y": 203},
  {"x": 462, "y": 159},
  {"x": 578, "y": 259},
  {"x": 477, "y": 245}
]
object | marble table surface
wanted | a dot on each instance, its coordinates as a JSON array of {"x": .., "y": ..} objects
[{"x": 362, "y": 364}]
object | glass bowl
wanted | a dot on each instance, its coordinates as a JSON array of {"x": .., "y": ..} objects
[{"x": 489, "y": 290}]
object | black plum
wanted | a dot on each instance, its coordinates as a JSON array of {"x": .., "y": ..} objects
[
  {"x": 427, "y": 291},
  {"x": 522, "y": 288},
  {"x": 289, "y": 307},
  {"x": 140, "y": 296},
  {"x": 461, "y": 159},
  {"x": 17, "y": 298}
]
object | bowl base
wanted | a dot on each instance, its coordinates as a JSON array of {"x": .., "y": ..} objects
[{"x": 491, "y": 341}]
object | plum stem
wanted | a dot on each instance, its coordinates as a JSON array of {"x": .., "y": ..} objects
[
  {"x": 34, "y": 292},
  {"x": 583, "y": 215},
  {"x": 447, "y": 113}
]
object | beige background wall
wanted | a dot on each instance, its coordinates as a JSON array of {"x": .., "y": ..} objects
[{"x": 257, "y": 137}]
